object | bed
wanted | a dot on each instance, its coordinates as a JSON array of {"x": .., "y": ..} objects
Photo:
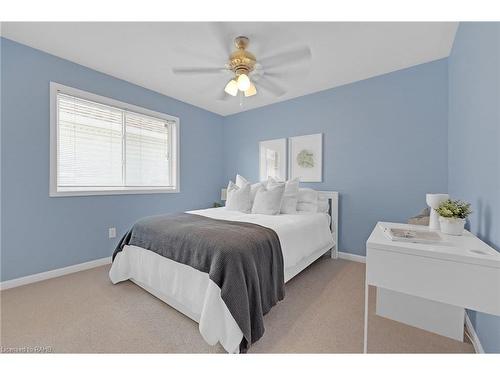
[{"x": 303, "y": 238}]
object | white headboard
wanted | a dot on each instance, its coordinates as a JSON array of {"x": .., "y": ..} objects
[{"x": 333, "y": 200}]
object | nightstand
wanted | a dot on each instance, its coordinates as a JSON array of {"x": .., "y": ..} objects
[{"x": 429, "y": 286}]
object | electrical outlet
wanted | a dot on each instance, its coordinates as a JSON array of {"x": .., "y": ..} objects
[{"x": 112, "y": 232}]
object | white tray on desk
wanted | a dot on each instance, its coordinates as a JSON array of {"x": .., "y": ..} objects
[{"x": 420, "y": 235}]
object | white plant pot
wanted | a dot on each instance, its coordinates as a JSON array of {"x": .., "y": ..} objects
[{"x": 453, "y": 226}]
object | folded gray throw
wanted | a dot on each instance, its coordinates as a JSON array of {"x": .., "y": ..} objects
[{"x": 243, "y": 259}]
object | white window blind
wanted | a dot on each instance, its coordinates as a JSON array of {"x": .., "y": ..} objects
[
  {"x": 147, "y": 151},
  {"x": 107, "y": 148},
  {"x": 90, "y": 144}
]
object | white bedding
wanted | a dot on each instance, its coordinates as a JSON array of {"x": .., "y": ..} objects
[
  {"x": 194, "y": 294},
  {"x": 300, "y": 234}
]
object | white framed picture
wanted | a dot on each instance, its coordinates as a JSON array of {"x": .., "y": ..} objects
[
  {"x": 272, "y": 159},
  {"x": 306, "y": 157}
]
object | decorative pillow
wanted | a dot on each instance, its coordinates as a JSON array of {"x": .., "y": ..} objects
[
  {"x": 241, "y": 181},
  {"x": 254, "y": 188},
  {"x": 307, "y": 195},
  {"x": 323, "y": 205},
  {"x": 238, "y": 198},
  {"x": 307, "y": 207},
  {"x": 290, "y": 198},
  {"x": 307, "y": 200},
  {"x": 268, "y": 201}
]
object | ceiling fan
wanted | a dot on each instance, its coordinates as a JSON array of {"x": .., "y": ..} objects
[{"x": 250, "y": 74}]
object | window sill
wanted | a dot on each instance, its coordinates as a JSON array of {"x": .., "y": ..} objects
[{"x": 112, "y": 191}]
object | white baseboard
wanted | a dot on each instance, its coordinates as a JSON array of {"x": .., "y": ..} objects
[
  {"x": 8, "y": 284},
  {"x": 352, "y": 257},
  {"x": 474, "y": 337}
]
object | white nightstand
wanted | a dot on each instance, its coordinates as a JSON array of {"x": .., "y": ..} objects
[{"x": 429, "y": 285}]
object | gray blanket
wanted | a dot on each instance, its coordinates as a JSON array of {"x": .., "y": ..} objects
[{"x": 243, "y": 259}]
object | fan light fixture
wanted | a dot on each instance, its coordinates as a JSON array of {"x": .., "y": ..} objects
[
  {"x": 242, "y": 83},
  {"x": 251, "y": 91},
  {"x": 243, "y": 64},
  {"x": 232, "y": 88}
]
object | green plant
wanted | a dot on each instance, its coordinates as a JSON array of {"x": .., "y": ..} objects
[{"x": 454, "y": 209}]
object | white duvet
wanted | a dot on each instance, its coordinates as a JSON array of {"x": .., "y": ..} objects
[{"x": 194, "y": 294}]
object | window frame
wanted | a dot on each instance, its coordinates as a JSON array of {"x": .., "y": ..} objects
[{"x": 174, "y": 132}]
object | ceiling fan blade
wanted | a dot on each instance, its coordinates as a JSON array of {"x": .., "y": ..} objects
[
  {"x": 286, "y": 58},
  {"x": 278, "y": 74},
  {"x": 268, "y": 85},
  {"x": 194, "y": 70},
  {"x": 224, "y": 36}
]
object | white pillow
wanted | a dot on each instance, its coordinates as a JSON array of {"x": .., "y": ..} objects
[
  {"x": 290, "y": 198},
  {"x": 323, "y": 204},
  {"x": 268, "y": 201},
  {"x": 320, "y": 206},
  {"x": 309, "y": 201},
  {"x": 307, "y": 207},
  {"x": 241, "y": 181},
  {"x": 307, "y": 195},
  {"x": 238, "y": 198}
]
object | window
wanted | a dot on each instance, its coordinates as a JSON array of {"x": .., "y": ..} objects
[{"x": 102, "y": 146}]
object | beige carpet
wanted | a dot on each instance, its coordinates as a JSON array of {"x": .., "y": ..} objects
[{"x": 322, "y": 313}]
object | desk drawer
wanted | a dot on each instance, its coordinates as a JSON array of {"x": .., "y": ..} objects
[{"x": 471, "y": 286}]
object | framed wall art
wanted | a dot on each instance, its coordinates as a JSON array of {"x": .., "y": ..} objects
[
  {"x": 272, "y": 159},
  {"x": 306, "y": 157}
]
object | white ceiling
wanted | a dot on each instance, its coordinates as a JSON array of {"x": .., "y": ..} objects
[{"x": 144, "y": 53}]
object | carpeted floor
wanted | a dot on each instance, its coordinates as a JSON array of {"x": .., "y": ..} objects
[{"x": 322, "y": 313}]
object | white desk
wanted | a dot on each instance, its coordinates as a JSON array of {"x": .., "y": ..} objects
[{"x": 430, "y": 285}]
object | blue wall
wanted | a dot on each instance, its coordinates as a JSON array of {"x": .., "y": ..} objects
[
  {"x": 41, "y": 233},
  {"x": 385, "y": 144},
  {"x": 474, "y": 141}
]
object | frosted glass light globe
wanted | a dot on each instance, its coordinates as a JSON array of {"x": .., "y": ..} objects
[
  {"x": 231, "y": 88},
  {"x": 243, "y": 82}
]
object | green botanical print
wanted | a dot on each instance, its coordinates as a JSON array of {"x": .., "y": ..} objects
[{"x": 305, "y": 159}]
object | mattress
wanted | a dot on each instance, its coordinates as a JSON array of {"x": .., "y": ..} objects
[{"x": 303, "y": 238}]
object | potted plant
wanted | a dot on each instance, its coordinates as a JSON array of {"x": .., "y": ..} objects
[{"x": 452, "y": 215}]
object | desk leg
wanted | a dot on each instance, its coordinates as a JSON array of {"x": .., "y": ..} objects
[{"x": 365, "y": 336}]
